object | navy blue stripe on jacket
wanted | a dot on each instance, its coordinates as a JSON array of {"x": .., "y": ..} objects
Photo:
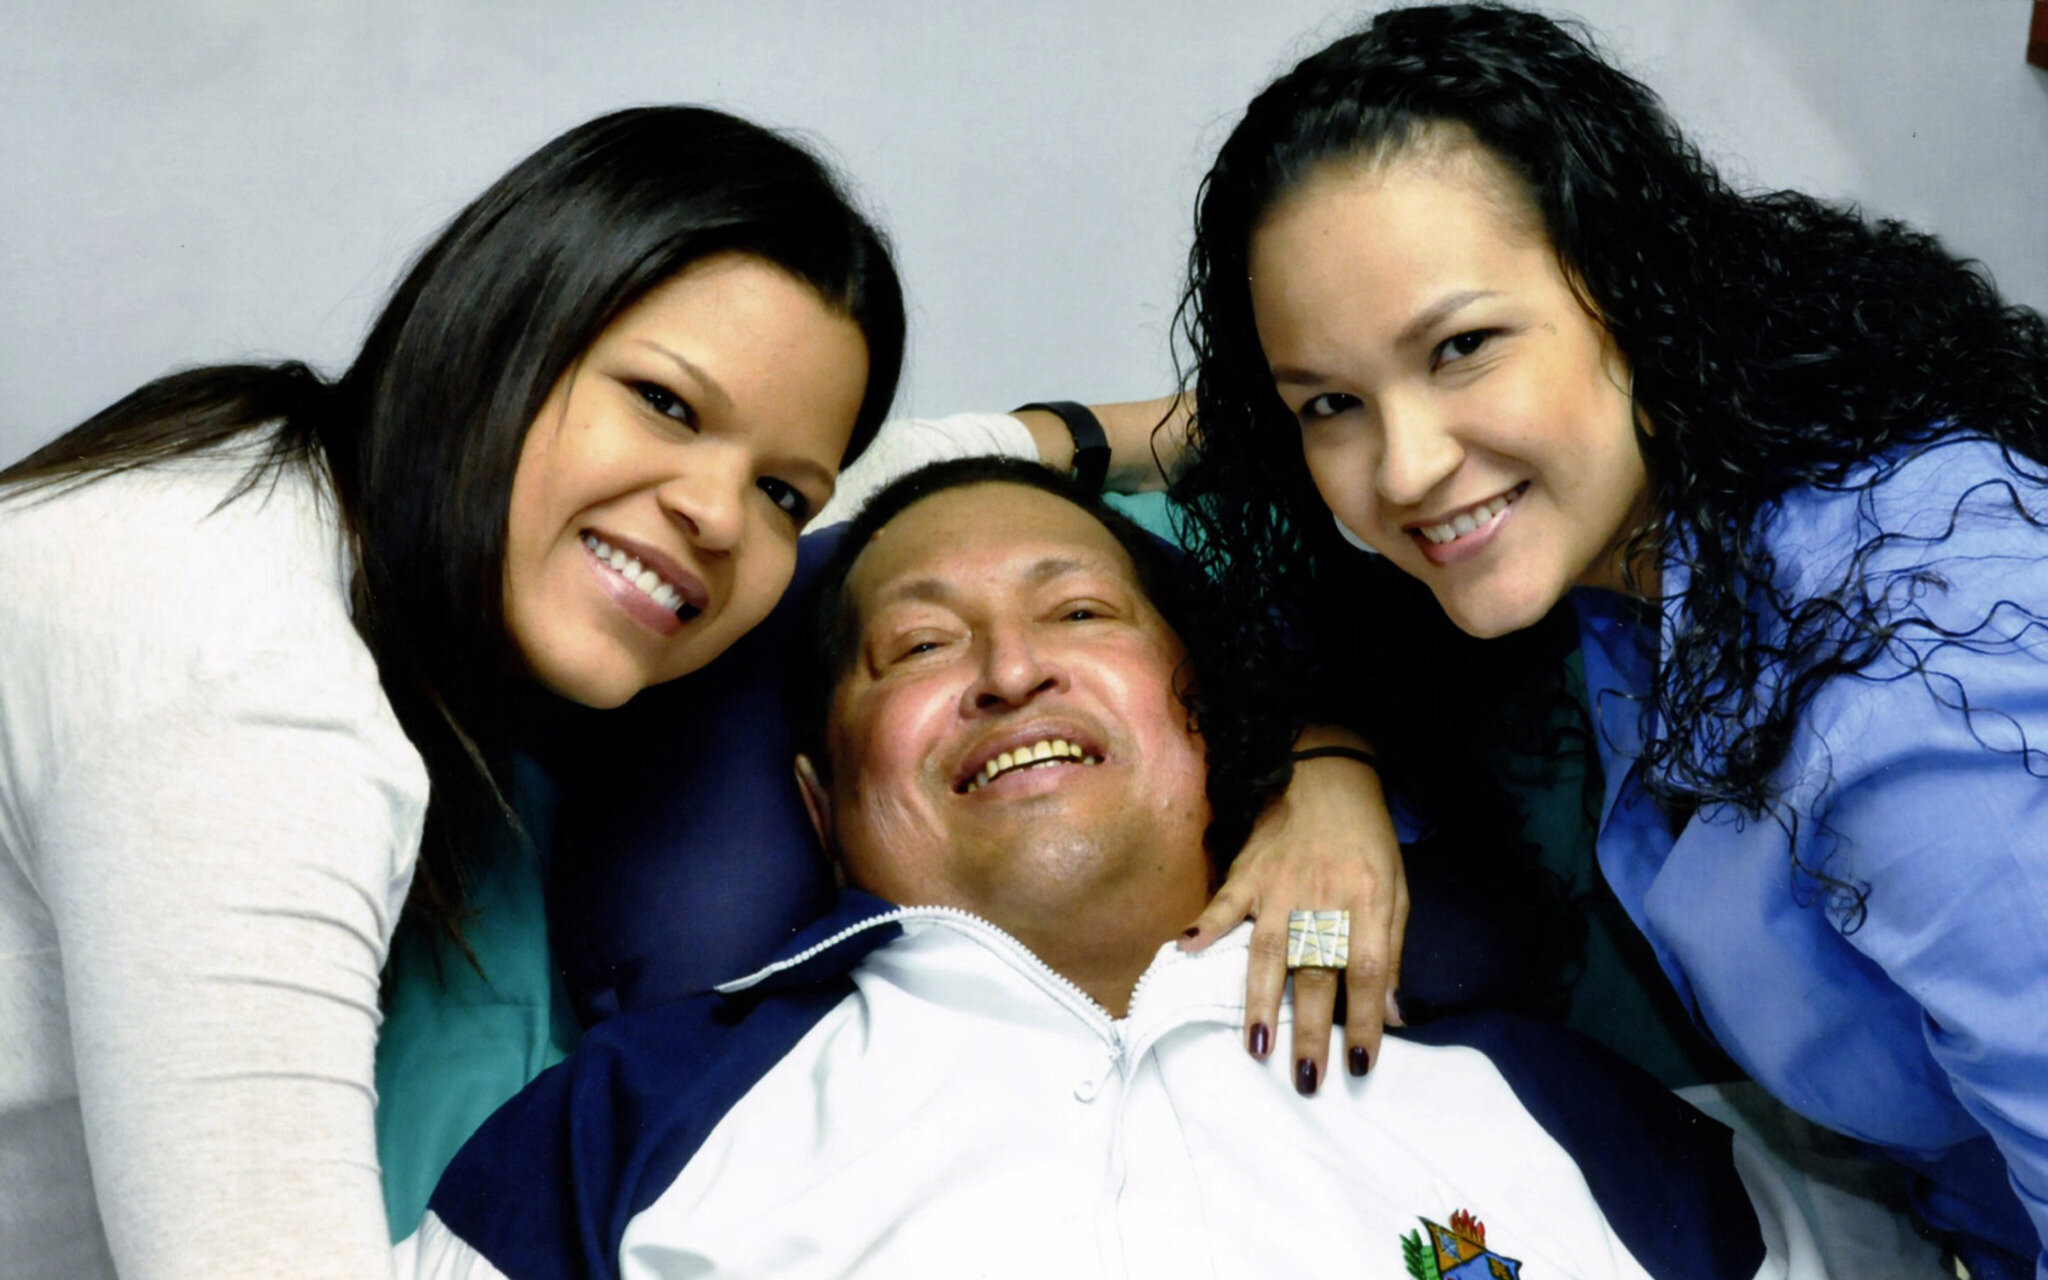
[
  {"x": 1662, "y": 1171},
  {"x": 548, "y": 1185}
]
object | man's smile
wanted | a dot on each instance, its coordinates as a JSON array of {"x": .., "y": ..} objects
[{"x": 1026, "y": 747}]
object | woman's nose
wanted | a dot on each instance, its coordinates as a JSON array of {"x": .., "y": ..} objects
[
  {"x": 1418, "y": 451},
  {"x": 708, "y": 498}
]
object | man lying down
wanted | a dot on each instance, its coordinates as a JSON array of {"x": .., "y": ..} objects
[{"x": 1016, "y": 1072}]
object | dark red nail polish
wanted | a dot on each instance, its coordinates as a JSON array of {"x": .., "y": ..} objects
[
  {"x": 1304, "y": 1077},
  {"x": 1191, "y": 931},
  {"x": 1360, "y": 1064},
  {"x": 1261, "y": 1040}
]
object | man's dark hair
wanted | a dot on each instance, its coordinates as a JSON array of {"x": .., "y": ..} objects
[{"x": 1163, "y": 576}]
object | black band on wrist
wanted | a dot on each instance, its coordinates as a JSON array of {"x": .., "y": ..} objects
[
  {"x": 1091, "y": 443},
  {"x": 1364, "y": 757}
]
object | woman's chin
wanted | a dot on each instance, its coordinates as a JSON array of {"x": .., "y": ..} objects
[
  {"x": 598, "y": 692},
  {"x": 1490, "y": 614},
  {"x": 599, "y": 680}
]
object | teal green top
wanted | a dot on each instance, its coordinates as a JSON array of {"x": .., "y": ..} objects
[
  {"x": 456, "y": 1043},
  {"x": 1151, "y": 511},
  {"x": 1620, "y": 997}
]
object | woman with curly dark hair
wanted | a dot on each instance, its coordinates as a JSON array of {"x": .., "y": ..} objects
[{"x": 1779, "y": 469}]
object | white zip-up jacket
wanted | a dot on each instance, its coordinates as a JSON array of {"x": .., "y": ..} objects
[{"x": 910, "y": 1092}]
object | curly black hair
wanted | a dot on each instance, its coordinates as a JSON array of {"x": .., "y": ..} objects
[{"x": 1775, "y": 342}]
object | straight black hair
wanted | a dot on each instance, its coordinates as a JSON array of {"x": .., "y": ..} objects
[{"x": 420, "y": 438}]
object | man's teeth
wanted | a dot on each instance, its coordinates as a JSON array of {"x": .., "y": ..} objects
[
  {"x": 1026, "y": 756},
  {"x": 1470, "y": 520},
  {"x": 633, "y": 571}
]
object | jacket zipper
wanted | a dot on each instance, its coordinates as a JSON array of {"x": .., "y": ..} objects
[{"x": 1080, "y": 1001}]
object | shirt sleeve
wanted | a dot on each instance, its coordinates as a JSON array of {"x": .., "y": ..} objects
[
  {"x": 1937, "y": 810},
  {"x": 906, "y": 444},
  {"x": 221, "y": 872},
  {"x": 222, "y": 817}
]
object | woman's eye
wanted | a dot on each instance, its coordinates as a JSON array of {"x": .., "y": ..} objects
[
  {"x": 787, "y": 497},
  {"x": 666, "y": 403},
  {"x": 1327, "y": 405},
  {"x": 914, "y": 648},
  {"x": 1080, "y": 613},
  {"x": 1459, "y": 345}
]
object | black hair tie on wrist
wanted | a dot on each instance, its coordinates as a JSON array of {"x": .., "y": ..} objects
[
  {"x": 1091, "y": 443},
  {"x": 1364, "y": 757}
]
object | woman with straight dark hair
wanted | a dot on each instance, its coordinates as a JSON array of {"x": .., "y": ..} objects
[
  {"x": 260, "y": 635},
  {"x": 1777, "y": 470}
]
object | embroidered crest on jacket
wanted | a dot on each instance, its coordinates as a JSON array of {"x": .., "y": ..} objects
[{"x": 1455, "y": 1252}]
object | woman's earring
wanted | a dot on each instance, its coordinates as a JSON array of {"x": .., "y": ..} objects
[{"x": 1344, "y": 532}]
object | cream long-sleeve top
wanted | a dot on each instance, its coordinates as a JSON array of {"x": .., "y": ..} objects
[{"x": 208, "y": 822}]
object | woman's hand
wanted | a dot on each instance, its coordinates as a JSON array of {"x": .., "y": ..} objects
[{"x": 1327, "y": 844}]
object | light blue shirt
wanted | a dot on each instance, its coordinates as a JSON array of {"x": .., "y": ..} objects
[{"x": 1922, "y": 1027}]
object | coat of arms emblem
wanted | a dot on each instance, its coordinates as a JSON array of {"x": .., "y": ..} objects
[{"x": 1455, "y": 1252}]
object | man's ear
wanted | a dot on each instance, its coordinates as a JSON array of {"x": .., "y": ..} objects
[
  {"x": 817, "y": 802},
  {"x": 1186, "y": 691}
]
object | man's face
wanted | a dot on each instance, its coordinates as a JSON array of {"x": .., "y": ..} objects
[{"x": 997, "y": 619}]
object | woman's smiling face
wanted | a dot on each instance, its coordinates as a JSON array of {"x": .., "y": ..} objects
[
  {"x": 660, "y": 491},
  {"x": 1460, "y": 409}
]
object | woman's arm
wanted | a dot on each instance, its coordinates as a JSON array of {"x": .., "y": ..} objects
[
  {"x": 221, "y": 818},
  {"x": 221, "y": 874},
  {"x": 1946, "y": 836},
  {"x": 1147, "y": 440},
  {"x": 1138, "y": 452}
]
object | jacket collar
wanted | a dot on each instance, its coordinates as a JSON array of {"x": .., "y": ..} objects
[
  {"x": 858, "y": 923},
  {"x": 1175, "y": 988}
]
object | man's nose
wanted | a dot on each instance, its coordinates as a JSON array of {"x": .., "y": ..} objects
[
  {"x": 1418, "y": 450},
  {"x": 1013, "y": 672}
]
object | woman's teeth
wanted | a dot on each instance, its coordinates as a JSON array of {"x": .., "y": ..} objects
[
  {"x": 1026, "y": 756},
  {"x": 1470, "y": 520},
  {"x": 633, "y": 571}
]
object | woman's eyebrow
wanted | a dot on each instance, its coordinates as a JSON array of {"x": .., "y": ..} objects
[
  {"x": 1438, "y": 312},
  {"x": 1287, "y": 375},
  {"x": 801, "y": 468},
  {"x": 1412, "y": 333},
  {"x": 707, "y": 384}
]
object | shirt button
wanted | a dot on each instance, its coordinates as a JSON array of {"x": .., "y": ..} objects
[{"x": 1088, "y": 1088}]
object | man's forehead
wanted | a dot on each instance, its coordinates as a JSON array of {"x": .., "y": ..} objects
[
  {"x": 976, "y": 536},
  {"x": 939, "y": 587}
]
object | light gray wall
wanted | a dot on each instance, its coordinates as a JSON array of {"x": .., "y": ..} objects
[{"x": 197, "y": 180}]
